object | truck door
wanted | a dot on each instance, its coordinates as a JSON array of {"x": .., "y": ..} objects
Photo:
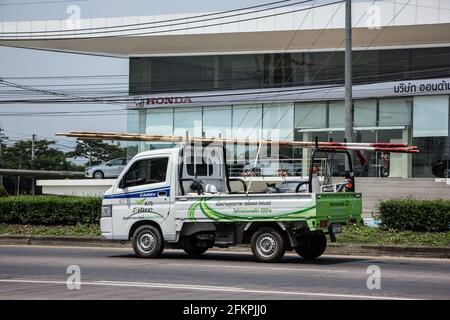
[{"x": 142, "y": 193}]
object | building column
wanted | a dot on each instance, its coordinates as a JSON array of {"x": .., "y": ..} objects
[
  {"x": 406, "y": 157},
  {"x": 142, "y": 129},
  {"x": 306, "y": 155}
]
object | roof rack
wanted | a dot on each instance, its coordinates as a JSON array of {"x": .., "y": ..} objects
[{"x": 357, "y": 146}]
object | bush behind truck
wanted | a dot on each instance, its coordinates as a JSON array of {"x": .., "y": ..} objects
[
  {"x": 50, "y": 210},
  {"x": 415, "y": 214}
]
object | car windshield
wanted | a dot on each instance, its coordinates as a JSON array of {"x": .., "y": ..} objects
[{"x": 290, "y": 184}]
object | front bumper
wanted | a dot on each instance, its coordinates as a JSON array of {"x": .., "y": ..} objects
[{"x": 106, "y": 228}]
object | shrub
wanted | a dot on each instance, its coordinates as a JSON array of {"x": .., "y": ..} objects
[
  {"x": 415, "y": 214},
  {"x": 3, "y": 192},
  {"x": 50, "y": 210}
]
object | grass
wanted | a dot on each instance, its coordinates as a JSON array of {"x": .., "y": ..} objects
[
  {"x": 350, "y": 235},
  {"x": 366, "y": 235},
  {"x": 80, "y": 230}
]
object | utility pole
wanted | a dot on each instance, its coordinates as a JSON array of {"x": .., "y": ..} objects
[
  {"x": 18, "y": 177},
  {"x": 348, "y": 72},
  {"x": 33, "y": 179}
]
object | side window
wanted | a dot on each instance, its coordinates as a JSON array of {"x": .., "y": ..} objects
[
  {"x": 146, "y": 172},
  {"x": 116, "y": 162},
  {"x": 202, "y": 170}
]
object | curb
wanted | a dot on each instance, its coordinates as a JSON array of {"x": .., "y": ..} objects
[
  {"x": 58, "y": 241},
  {"x": 332, "y": 248},
  {"x": 392, "y": 250}
]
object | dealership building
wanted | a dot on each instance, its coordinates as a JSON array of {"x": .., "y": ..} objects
[{"x": 278, "y": 74}]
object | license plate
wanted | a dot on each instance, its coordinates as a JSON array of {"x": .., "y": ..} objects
[{"x": 336, "y": 228}]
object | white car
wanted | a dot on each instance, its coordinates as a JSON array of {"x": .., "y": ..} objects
[
  {"x": 110, "y": 169},
  {"x": 270, "y": 169}
]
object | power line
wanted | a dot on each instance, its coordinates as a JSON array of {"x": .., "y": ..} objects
[
  {"x": 109, "y": 112},
  {"x": 92, "y": 86},
  {"x": 312, "y": 45},
  {"x": 378, "y": 35},
  {"x": 144, "y": 26},
  {"x": 38, "y": 2},
  {"x": 273, "y": 90},
  {"x": 287, "y": 47},
  {"x": 23, "y": 134},
  {"x": 65, "y": 77},
  {"x": 262, "y": 69},
  {"x": 179, "y": 29},
  {"x": 48, "y": 92},
  {"x": 437, "y": 72},
  {"x": 315, "y": 75},
  {"x": 361, "y": 53},
  {"x": 155, "y": 22}
]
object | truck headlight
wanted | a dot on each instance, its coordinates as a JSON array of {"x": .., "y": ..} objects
[{"x": 106, "y": 211}]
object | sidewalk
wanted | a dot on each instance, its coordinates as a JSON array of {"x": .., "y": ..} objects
[{"x": 332, "y": 249}]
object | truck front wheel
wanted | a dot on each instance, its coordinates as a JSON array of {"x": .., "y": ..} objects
[
  {"x": 268, "y": 245},
  {"x": 312, "y": 246},
  {"x": 147, "y": 242}
]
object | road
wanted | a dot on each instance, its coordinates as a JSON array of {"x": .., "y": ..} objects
[{"x": 37, "y": 272}]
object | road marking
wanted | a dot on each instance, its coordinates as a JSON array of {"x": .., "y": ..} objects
[
  {"x": 166, "y": 285},
  {"x": 172, "y": 286},
  {"x": 334, "y": 256},
  {"x": 250, "y": 267}
]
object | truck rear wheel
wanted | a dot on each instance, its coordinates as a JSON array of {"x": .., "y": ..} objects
[
  {"x": 147, "y": 242},
  {"x": 313, "y": 246},
  {"x": 268, "y": 245},
  {"x": 191, "y": 248}
]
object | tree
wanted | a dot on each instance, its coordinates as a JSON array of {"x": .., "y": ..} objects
[
  {"x": 97, "y": 151},
  {"x": 46, "y": 157},
  {"x": 18, "y": 156}
]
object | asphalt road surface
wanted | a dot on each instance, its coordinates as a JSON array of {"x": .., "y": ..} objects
[{"x": 36, "y": 272}]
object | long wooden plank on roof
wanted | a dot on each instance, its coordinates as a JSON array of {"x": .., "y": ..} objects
[{"x": 381, "y": 147}]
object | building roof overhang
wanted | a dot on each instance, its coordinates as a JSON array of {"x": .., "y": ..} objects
[{"x": 241, "y": 42}]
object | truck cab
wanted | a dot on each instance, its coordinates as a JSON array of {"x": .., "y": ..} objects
[{"x": 182, "y": 198}]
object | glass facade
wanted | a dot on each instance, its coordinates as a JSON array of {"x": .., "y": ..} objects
[
  {"x": 418, "y": 120},
  {"x": 270, "y": 70},
  {"x": 431, "y": 134},
  {"x": 394, "y": 127},
  {"x": 394, "y": 120}
]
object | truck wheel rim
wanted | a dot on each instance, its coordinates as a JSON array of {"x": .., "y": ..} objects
[
  {"x": 266, "y": 245},
  {"x": 146, "y": 241}
]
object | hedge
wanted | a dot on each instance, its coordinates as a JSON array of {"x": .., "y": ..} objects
[
  {"x": 396, "y": 214},
  {"x": 415, "y": 214},
  {"x": 50, "y": 210}
]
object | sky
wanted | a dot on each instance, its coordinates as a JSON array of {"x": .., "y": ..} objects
[{"x": 16, "y": 64}]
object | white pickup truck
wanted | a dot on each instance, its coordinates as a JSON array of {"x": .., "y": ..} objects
[{"x": 182, "y": 198}]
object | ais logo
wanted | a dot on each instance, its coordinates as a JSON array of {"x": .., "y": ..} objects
[{"x": 144, "y": 202}]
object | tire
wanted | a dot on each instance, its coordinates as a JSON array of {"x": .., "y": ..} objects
[
  {"x": 446, "y": 173},
  {"x": 98, "y": 175},
  {"x": 268, "y": 245},
  {"x": 189, "y": 246},
  {"x": 147, "y": 242},
  {"x": 312, "y": 247}
]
